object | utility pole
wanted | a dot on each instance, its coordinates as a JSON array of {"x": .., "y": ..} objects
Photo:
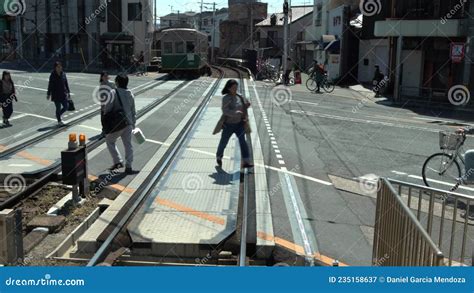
[
  {"x": 251, "y": 25},
  {"x": 468, "y": 59},
  {"x": 200, "y": 16},
  {"x": 213, "y": 31},
  {"x": 285, "y": 36},
  {"x": 19, "y": 38},
  {"x": 66, "y": 37},
  {"x": 155, "y": 17}
]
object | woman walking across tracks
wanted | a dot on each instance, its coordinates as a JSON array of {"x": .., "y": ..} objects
[
  {"x": 58, "y": 91},
  {"x": 234, "y": 119},
  {"x": 7, "y": 95}
]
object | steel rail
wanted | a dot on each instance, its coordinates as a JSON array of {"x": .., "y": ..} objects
[
  {"x": 56, "y": 167},
  {"x": 152, "y": 180},
  {"x": 9, "y": 151}
]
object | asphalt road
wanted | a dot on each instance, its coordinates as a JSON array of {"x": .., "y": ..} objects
[
  {"x": 346, "y": 135},
  {"x": 34, "y": 112}
]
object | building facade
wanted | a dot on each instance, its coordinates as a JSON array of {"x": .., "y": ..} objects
[
  {"x": 8, "y": 34},
  {"x": 237, "y": 34},
  {"x": 176, "y": 19},
  {"x": 428, "y": 41},
  {"x": 85, "y": 34},
  {"x": 332, "y": 39},
  {"x": 270, "y": 36}
]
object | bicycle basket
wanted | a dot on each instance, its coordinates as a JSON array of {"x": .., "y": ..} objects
[{"x": 449, "y": 140}]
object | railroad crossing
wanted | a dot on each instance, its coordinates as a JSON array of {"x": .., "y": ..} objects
[{"x": 309, "y": 200}]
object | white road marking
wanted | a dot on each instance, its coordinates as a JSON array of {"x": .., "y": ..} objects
[
  {"x": 37, "y": 89},
  {"x": 18, "y": 117},
  {"x": 301, "y": 102},
  {"x": 90, "y": 127},
  {"x": 399, "y": 173},
  {"x": 33, "y": 88},
  {"x": 432, "y": 180},
  {"x": 281, "y": 169},
  {"x": 20, "y": 165},
  {"x": 366, "y": 121},
  {"x": 281, "y": 162},
  {"x": 441, "y": 182},
  {"x": 37, "y": 116}
]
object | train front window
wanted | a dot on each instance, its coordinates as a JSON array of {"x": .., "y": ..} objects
[
  {"x": 190, "y": 47},
  {"x": 179, "y": 47},
  {"x": 168, "y": 47}
]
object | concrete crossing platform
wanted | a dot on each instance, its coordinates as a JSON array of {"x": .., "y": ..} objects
[
  {"x": 194, "y": 207},
  {"x": 196, "y": 203}
]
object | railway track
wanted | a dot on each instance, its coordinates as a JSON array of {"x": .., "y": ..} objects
[
  {"x": 16, "y": 148},
  {"x": 51, "y": 174},
  {"x": 110, "y": 251}
]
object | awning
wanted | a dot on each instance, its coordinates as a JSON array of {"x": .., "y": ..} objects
[
  {"x": 307, "y": 45},
  {"x": 325, "y": 41},
  {"x": 333, "y": 46},
  {"x": 117, "y": 38}
]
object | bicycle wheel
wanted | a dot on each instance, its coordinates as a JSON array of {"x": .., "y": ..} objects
[
  {"x": 311, "y": 84},
  {"x": 328, "y": 87},
  {"x": 441, "y": 171},
  {"x": 276, "y": 78}
]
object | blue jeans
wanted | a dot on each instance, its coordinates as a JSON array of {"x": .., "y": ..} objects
[
  {"x": 227, "y": 132},
  {"x": 61, "y": 108}
]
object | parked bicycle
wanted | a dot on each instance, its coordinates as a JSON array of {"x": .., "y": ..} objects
[
  {"x": 141, "y": 69},
  {"x": 445, "y": 170},
  {"x": 326, "y": 85},
  {"x": 268, "y": 72}
]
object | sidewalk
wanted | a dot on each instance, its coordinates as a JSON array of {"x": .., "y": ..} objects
[{"x": 360, "y": 92}]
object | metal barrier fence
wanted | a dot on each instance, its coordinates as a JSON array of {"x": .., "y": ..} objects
[
  {"x": 417, "y": 225},
  {"x": 400, "y": 239}
]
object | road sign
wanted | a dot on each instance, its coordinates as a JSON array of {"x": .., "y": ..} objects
[{"x": 457, "y": 52}]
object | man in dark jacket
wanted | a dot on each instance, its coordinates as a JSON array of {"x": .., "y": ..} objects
[{"x": 58, "y": 91}]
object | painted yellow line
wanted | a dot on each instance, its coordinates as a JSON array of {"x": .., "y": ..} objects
[
  {"x": 190, "y": 211},
  {"x": 298, "y": 249},
  {"x": 115, "y": 186},
  {"x": 28, "y": 156}
]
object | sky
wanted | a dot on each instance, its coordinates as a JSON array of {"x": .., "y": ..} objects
[{"x": 164, "y": 7}]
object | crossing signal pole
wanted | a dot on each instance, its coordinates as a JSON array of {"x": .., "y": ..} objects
[{"x": 285, "y": 36}]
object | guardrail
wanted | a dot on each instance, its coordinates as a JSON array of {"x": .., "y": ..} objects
[
  {"x": 416, "y": 224},
  {"x": 399, "y": 238}
]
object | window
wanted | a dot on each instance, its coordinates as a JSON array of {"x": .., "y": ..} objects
[
  {"x": 319, "y": 15},
  {"x": 179, "y": 47},
  {"x": 168, "y": 47},
  {"x": 206, "y": 22},
  {"x": 190, "y": 47},
  {"x": 300, "y": 36},
  {"x": 134, "y": 11}
]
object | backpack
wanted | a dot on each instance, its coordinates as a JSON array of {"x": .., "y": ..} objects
[{"x": 116, "y": 119}]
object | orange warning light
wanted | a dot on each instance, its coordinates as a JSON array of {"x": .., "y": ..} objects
[
  {"x": 72, "y": 137},
  {"x": 82, "y": 139}
]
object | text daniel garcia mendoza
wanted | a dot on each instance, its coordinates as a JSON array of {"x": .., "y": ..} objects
[{"x": 425, "y": 280}]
